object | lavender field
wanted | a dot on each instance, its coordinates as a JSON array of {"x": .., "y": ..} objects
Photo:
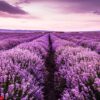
[{"x": 50, "y": 66}]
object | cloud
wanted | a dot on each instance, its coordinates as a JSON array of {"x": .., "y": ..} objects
[
  {"x": 24, "y": 1},
  {"x": 76, "y": 6},
  {"x": 6, "y": 7},
  {"x": 97, "y": 12},
  {"x": 16, "y": 16},
  {"x": 70, "y": 6}
]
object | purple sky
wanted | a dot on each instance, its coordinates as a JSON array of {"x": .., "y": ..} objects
[{"x": 61, "y": 15}]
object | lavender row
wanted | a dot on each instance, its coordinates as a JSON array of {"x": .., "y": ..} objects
[
  {"x": 78, "y": 71},
  {"x": 80, "y": 35},
  {"x": 18, "y": 35},
  {"x": 87, "y": 40},
  {"x": 92, "y": 44},
  {"x": 23, "y": 70},
  {"x": 15, "y": 39}
]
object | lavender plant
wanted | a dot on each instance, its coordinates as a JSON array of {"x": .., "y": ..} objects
[
  {"x": 23, "y": 71},
  {"x": 80, "y": 68}
]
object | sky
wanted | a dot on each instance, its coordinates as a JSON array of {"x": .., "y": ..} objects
[{"x": 54, "y": 15}]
